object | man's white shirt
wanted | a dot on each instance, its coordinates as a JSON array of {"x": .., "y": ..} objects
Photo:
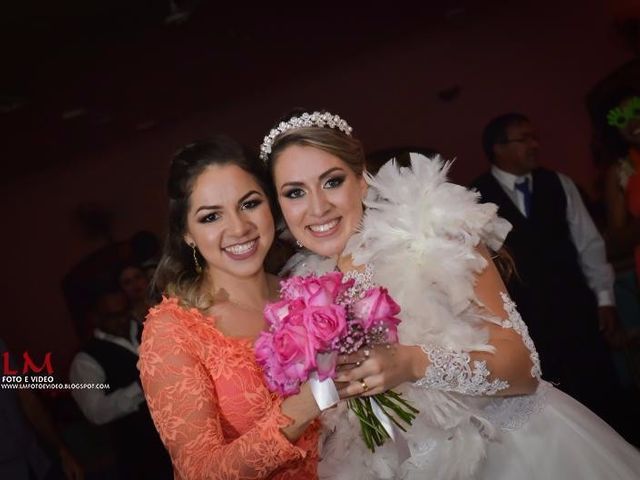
[{"x": 588, "y": 241}]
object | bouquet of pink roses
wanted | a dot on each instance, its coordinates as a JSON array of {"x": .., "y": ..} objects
[{"x": 319, "y": 318}]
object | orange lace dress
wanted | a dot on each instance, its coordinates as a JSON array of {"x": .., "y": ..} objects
[{"x": 210, "y": 405}]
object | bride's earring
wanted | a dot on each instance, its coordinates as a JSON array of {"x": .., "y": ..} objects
[{"x": 299, "y": 244}]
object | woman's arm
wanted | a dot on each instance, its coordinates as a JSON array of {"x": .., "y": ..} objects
[
  {"x": 182, "y": 399},
  {"x": 506, "y": 371}
]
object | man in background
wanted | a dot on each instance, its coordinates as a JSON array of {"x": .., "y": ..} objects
[
  {"x": 564, "y": 285},
  {"x": 23, "y": 421},
  {"x": 111, "y": 357}
]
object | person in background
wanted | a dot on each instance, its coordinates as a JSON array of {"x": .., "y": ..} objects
[
  {"x": 564, "y": 286},
  {"x": 136, "y": 286},
  {"x": 23, "y": 419},
  {"x": 622, "y": 189},
  {"x": 621, "y": 127},
  {"x": 146, "y": 249},
  {"x": 111, "y": 357}
]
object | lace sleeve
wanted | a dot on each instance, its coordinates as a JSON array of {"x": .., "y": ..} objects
[
  {"x": 182, "y": 401},
  {"x": 514, "y": 320},
  {"x": 454, "y": 371}
]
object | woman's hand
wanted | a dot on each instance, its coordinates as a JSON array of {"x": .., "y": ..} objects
[{"x": 370, "y": 371}]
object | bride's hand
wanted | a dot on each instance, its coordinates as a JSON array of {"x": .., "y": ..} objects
[{"x": 370, "y": 371}]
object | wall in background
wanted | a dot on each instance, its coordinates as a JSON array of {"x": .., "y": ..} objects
[{"x": 537, "y": 60}]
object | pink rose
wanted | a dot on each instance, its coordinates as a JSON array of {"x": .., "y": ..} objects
[
  {"x": 326, "y": 364},
  {"x": 274, "y": 374},
  {"x": 376, "y": 306},
  {"x": 274, "y": 313},
  {"x": 263, "y": 347},
  {"x": 330, "y": 285},
  {"x": 315, "y": 291},
  {"x": 283, "y": 311},
  {"x": 325, "y": 324},
  {"x": 293, "y": 288},
  {"x": 294, "y": 351}
]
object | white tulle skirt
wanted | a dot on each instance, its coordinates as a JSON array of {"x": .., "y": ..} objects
[
  {"x": 550, "y": 437},
  {"x": 564, "y": 440}
]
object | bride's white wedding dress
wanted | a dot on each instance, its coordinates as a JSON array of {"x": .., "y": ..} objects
[{"x": 419, "y": 239}]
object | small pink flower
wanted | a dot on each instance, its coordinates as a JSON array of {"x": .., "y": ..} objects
[
  {"x": 325, "y": 324},
  {"x": 376, "y": 306},
  {"x": 390, "y": 325}
]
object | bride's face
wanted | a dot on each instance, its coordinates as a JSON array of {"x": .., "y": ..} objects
[{"x": 320, "y": 197}]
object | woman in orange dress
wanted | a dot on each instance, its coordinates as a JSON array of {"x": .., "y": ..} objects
[{"x": 204, "y": 389}]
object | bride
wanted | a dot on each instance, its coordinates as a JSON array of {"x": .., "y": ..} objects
[{"x": 465, "y": 358}]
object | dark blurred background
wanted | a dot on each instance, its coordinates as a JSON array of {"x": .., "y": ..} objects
[{"x": 95, "y": 97}]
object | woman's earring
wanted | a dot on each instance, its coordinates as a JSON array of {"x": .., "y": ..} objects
[
  {"x": 195, "y": 259},
  {"x": 299, "y": 244}
]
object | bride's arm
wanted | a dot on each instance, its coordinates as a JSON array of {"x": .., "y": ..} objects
[{"x": 512, "y": 368}]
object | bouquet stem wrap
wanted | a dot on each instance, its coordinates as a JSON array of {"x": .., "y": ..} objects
[{"x": 381, "y": 418}]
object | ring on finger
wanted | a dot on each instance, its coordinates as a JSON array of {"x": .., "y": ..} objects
[
  {"x": 366, "y": 353},
  {"x": 364, "y": 385},
  {"x": 358, "y": 363}
]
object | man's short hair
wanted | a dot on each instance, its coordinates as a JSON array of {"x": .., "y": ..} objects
[{"x": 496, "y": 131}]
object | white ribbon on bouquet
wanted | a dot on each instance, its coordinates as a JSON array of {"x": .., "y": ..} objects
[
  {"x": 392, "y": 429},
  {"x": 324, "y": 391}
]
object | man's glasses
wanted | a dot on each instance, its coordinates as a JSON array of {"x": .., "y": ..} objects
[{"x": 524, "y": 140}]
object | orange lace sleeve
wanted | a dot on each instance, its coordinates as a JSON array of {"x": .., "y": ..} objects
[{"x": 182, "y": 399}]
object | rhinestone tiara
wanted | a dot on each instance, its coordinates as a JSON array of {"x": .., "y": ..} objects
[{"x": 315, "y": 119}]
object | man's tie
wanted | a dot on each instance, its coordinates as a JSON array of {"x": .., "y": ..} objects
[{"x": 523, "y": 186}]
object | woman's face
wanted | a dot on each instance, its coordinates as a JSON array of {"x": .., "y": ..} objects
[
  {"x": 230, "y": 222},
  {"x": 320, "y": 197}
]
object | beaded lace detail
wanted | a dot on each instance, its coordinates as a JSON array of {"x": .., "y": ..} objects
[
  {"x": 452, "y": 371},
  {"x": 363, "y": 282},
  {"x": 514, "y": 320}
]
